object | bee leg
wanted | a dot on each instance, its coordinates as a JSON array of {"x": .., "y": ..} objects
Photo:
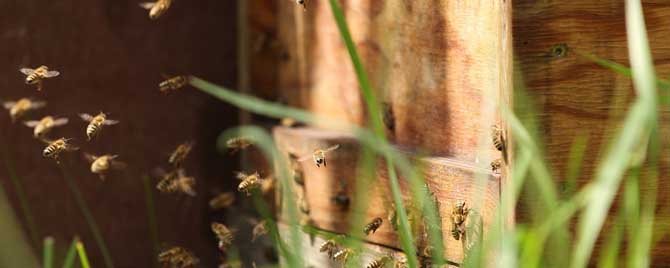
[
  {"x": 102, "y": 176},
  {"x": 39, "y": 85}
]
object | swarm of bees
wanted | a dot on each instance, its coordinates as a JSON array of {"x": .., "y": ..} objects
[
  {"x": 178, "y": 257},
  {"x": 372, "y": 226},
  {"x": 458, "y": 216},
  {"x": 319, "y": 155},
  {"x": 223, "y": 234}
]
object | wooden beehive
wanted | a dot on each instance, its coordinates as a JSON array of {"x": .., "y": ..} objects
[{"x": 444, "y": 68}]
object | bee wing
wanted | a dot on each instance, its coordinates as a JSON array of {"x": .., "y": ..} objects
[
  {"x": 332, "y": 148},
  {"x": 86, "y": 117},
  {"x": 305, "y": 158},
  {"x": 37, "y": 104},
  {"x": 27, "y": 71},
  {"x": 8, "y": 104},
  {"x": 110, "y": 122},
  {"x": 147, "y": 5},
  {"x": 50, "y": 74},
  {"x": 119, "y": 165},
  {"x": 89, "y": 157},
  {"x": 60, "y": 121},
  {"x": 31, "y": 124},
  {"x": 159, "y": 172},
  {"x": 240, "y": 175}
]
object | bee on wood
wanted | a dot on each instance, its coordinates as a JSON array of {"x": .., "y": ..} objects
[
  {"x": 180, "y": 153},
  {"x": 223, "y": 200},
  {"x": 96, "y": 123},
  {"x": 176, "y": 181},
  {"x": 497, "y": 137},
  {"x": 223, "y": 234},
  {"x": 156, "y": 9},
  {"x": 329, "y": 247},
  {"x": 458, "y": 216},
  {"x": 54, "y": 148},
  {"x": 341, "y": 200},
  {"x": 379, "y": 262},
  {"x": 178, "y": 257},
  {"x": 302, "y": 3},
  {"x": 496, "y": 165},
  {"x": 173, "y": 84},
  {"x": 373, "y": 226},
  {"x": 342, "y": 255},
  {"x": 19, "y": 108},
  {"x": 103, "y": 164},
  {"x": 260, "y": 229},
  {"x": 237, "y": 144},
  {"x": 249, "y": 182},
  {"x": 36, "y": 76},
  {"x": 44, "y": 125},
  {"x": 319, "y": 155}
]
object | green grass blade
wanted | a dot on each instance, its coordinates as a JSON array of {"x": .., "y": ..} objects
[
  {"x": 90, "y": 221},
  {"x": 83, "y": 258},
  {"x": 71, "y": 255},
  {"x": 23, "y": 200},
  {"x": 151, "y": 215},
  {"x": 575, "y": 160},
  {"x": 609, "y": 255},
  {"x": 48, "y": 252},
  {"x": 15, "y": 250}
]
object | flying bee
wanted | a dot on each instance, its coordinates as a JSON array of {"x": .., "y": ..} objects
[
  {"x": 180, "y": 153},
  {"x": 177, "y": 257},
  {"x": 173, "y": 84},
  {"x": 458, "y": 216},
  {"x": 249, "y": 182},
  {"x": 96, "y": 123},
  {"x": 496, "y": 165},
  {"x": 260, "y": 228},
  {"x": 497, "y": 137},
  {"x": 302, "y": 3},
  {"x": 54, "y": 148},
  {"x": 36, "y": 76},
  {"x": 223, "y": 200},
  {"x": 19, "y": 108},
  {"x": 44, "y": 125},
  {"x": 342, "y": 255},
  {"x": 319, "y": 155},
  {"x": 103, "y": 164},
  {"x": 223, "y": 234},
  {"x": 156, "y": 9},
  {"x": 373, "y": 226},
  {"x": 238, "y": 143},
  {"x": 379, "y": 262},
  {"x": 329, "y": 247},
  {"x": 176, "y": 181}
]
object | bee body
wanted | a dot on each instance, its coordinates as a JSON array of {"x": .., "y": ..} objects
[
  {"x": 319, "y": 155},
  {"x": 259, "y": 230},
  {"x": 173, "y": 84},
  {"x": 238, "y": 143},
  {"x": 19, "y": 108},
  {"x": 496, "y": 165},
  {"x": 379, "y": 262},
  {"x": 329, "y": 247},
  {"x": 96, "y": 123},
  {"x": 497, "y": 138},
  {"x": 178, "y": 257},
  {"x": 342, "y": 255},
  {"x": 373, "y": 226},
  {"x": 180, "y": 153},
  {"x": 36, "y": 76},
  {"x": 458, "y": 217},
  {"x": 223, "y": 234},
  {"x": 177, "y": 181},
  {"x": 102, "y": 164},
  {"x": 249, "y": 182},
  {"x": 157, "y": 9},
  {"x": 54, "y": 148},
  {"x": 222, "y": 200}
]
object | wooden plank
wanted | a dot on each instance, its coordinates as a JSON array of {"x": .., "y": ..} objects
[{"x": 449, "y": 180}]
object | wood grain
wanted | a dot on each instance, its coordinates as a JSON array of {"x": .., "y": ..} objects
[{"x": 450, "y": 181}]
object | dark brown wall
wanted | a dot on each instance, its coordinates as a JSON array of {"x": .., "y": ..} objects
[{"x": 111, "y": 57}]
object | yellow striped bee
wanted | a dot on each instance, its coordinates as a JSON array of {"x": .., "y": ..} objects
[
  {"x": 458, "y": 216},
  {"x": 177, "y": 257},
  {"x": 319, "y": 155},
  {"x": 173, "y": 84},
  {"x": 156, "y": 9},
  {"x": 379, "y": 262},
  {"x": 96, "y": 123},
  {"x": 223, "y": 200},
  {"x": 36, "y": 76},
  {"x": 329, "y": 247},
  {"x": 44, "y": 125},
  {"x": 180, "y": 153},
  {"x": 496, "y": 165},
  {"x": 373, "y": 226},
  {"x": 342, "y": 255},
  {"x": 54, "y": 148},
  {"x": 249, "y": 182},
  {"x": 497, "y": 137},
  {"x": 103, "y": 164},
  {"x": 236, "y": 144},
  {"x": 223, "y": 234},
  {"x": 19, "y": 108},
  {"x": 176, "y": 181}
]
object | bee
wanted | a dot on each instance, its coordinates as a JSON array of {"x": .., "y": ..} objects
[
  {"x": 44, "y": 125},
  {"x": 19, "y": 108},
  {"x": 342, "y": 255},
  {"x": 102, "y": 164},
  {"x": 173, "y": 84},
  {"x": 180, "y": 153},
  {"x": 223, "y": 200},
  {"x": 373, "y": 226},
  {"x": 249, "y": 182},
  {"x": 496, "y": 165},
  {"x": 379, "y": 262},
  {"x": 392, "y": 217},
  {"x": 329, "y": 247},
  {"x": 236, "y": 144},
  {"x": 302, "y": 3},
  {"x": 96, "y": 123},
  {"x": 156, "y": 9},
  {"x": 36, "y": 76},
  {"x": 178, "y": 257},
  {"x": 388, "y": 116},
  {"x": 400, "y": 261},
  {"x": 176, "y": 181},
  {"x": 54, "y": 148},
  {"x": 458, "y": 216},
  {"x": 319, "y": 155},
  {"x": 497, "y": 137},
  {"x": 295, "y": 170},
  {"x": 260, "y": 228},
  {"x": 223, "y": 234},
  {"x": 341, "y": 200}
]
